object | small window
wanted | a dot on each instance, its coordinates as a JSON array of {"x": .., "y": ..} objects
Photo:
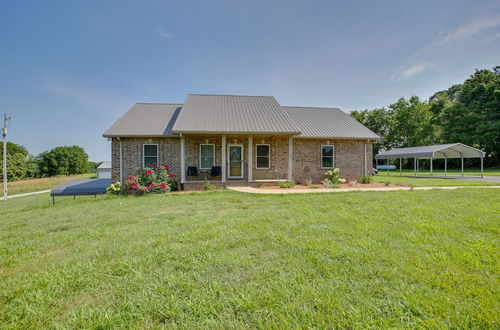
[
  {"x": 262, "y": 156},
  {"x": 150, "y": 152},
  {"x": 207, "y": 156},
  {"x": 326, "y": 156}
]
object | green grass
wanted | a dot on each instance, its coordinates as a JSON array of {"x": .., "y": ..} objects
[
  {"x": 25, "y": 186},
  {"x": 230, "y": 260},
  {"x": 451, "y": 172},
  {"x": 394, "y": 178}
]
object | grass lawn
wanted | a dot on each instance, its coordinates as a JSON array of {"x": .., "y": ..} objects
[
  {"x": 451, "y": 172},
  {"x": 230, "y": 260},
  {"x": 425, "y": 182},
  {"x": 25, "y": 186}
]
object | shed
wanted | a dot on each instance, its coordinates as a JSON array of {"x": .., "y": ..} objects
[
  {"x": 104, "y": 170},
  {"x": 438, "y": 151}
]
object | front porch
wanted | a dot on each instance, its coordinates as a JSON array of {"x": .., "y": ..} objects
[{"x": 234, "y": 159}]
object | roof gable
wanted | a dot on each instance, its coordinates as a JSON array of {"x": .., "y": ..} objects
[
  {"x": 146, "y": 119},
  {"x": 233, "y": 114}
]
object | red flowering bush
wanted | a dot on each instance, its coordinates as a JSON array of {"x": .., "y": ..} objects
[{"x": 155, "y": 180}]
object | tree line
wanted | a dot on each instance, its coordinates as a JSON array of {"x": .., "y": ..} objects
[
  {"x": 64, "y": 160},
  {"x": 468, "y": 113}
]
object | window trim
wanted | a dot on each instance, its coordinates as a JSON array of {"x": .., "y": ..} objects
[
  {"x": 144, "y": 154},
  {"x": 213, "y": 156},
  {"x": 269, "y": 156},
  {"x": 321, "y": 156}
]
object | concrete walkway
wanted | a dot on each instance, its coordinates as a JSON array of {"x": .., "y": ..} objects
[
  {"x": 252, "y": 190},
  {"x": 486, "y": 178},
  {"x": 26, "y": 194}
]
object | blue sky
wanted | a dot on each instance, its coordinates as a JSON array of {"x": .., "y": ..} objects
[{"x": 69, "y": 69}]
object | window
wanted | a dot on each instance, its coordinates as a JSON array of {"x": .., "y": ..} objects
[
  {"x": 262, "y": 156},
  {"x": 326, "y": 156},
  {"x": 207, "y": 156},
  {"x": 150, "y": 154}
]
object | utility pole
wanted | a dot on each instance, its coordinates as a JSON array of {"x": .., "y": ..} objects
[{"x": 5, "y": 128}]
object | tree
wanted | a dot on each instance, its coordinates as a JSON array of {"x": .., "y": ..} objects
[
  {"x": 378, "y": 121},
  {"x": 16, "y": 161},
  {"x": 65, "y": 160},
  {"x": 13, "y": 148},
  {"x": 412, "y": 124},
  {"x": 474, "y": 118}
]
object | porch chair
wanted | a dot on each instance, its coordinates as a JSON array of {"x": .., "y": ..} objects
[
  {"x": 216, "y": 171},
  {"x": 192, "y": 171}
]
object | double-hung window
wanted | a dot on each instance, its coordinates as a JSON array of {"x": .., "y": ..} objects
[
  {"x": 327, "y": 158},
  {"x": 207, "y": 156},
  {"x": 262, "y": 156},
  {"x": 150, "y": 155}
]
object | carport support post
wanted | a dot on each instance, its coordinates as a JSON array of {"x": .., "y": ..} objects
[
  {"x": 414, "y": 167},
  {"x": 481, "y": 165},
  {"x": 388, "y": 174},
  {"x": 432, "y": 158},
  {"x": 400, "y": 166},
  {"x": 462, "y": 165},
  {"x": 417, "y": 165},
  {"x": 445, "y": 166}
]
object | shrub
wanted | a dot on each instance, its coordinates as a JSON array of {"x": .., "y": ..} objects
[
  {"x": 333, "y": 177},
  {"x": 286, "y": 184},
  {"x": 365, "y": 179},
  {"x": 207, "y": 186},
  {"x": 114, "y": 189},
  {"x": 154, "y": 180}
]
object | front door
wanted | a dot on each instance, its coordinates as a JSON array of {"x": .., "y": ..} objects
[{"x": 235, "y": 156}]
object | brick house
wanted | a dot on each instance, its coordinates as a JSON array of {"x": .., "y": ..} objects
[{"x": 239, "y": 140}]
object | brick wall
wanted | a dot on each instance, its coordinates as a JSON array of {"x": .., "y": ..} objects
[
  {"x": 349, "y": 157},
  {"x": 168, "y": 152}
]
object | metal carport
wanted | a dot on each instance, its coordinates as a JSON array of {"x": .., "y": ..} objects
[{"x": 438, "y": 151}]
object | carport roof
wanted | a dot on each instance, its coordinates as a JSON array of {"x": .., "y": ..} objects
[{"x": 453, "y": 150}]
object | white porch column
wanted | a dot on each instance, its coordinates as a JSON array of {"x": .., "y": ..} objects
[
  {"x": 224, "y": 153},
  {"x": 183, "y": 166},
  {"x": 290, "y": 159},
  {"x": 250, "y": 159}
]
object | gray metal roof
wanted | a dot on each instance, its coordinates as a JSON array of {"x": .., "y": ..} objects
[
  {"x": 233, "y": 114},
  {"x": 236, "y": 114},
  {"x": 328, "y": 123},
  {"x": 105, "y": 165},
  {"x": 453, "y": 150},
  {"x": 146, "y": 119}
]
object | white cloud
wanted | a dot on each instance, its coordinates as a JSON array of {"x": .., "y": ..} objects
[
  {"x": 468, "y": 30},
  {"x": 410, "y": 71},
  {"x": 461, "y": 33},
  {"x": 165, "y": 35}
]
